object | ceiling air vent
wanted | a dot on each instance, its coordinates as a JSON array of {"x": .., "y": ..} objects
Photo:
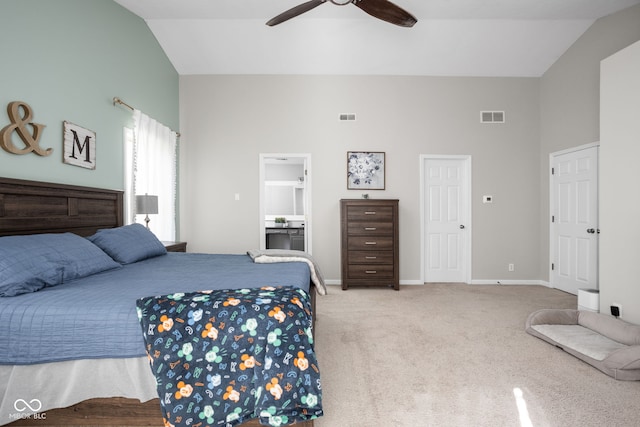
[
  {"x": 344, "y": 117},
  {"x": 491, "y": 116}
]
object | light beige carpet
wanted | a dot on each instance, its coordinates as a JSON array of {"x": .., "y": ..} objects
[{"x": 456, "y": 355}]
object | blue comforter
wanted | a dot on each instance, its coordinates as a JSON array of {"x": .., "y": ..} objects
[
  {"x": 95, "y": 317},
  {"x": 223, "y": 357}
]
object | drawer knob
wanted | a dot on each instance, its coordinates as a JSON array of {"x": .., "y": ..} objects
[
  {"x": 370, "y": 243},
  {"x": 370, "y": 271},
  {"x": 371, "y": 257},
  {"x": 370, "y": 212},
  {"x": 370, "y": 228}
]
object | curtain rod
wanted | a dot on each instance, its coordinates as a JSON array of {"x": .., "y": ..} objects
[{"x": 117, "y": 100}]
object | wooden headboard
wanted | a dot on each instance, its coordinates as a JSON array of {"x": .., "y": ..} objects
[{"x": 31, "y": 207}]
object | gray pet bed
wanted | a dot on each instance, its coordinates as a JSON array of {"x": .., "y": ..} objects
[{"x": 609, "y": 344}]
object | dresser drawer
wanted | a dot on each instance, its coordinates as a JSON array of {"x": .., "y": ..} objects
[
  {"x": 370, "y": 257},
  {"x": 369, "y": 228},
  {"x": 369, "y": 213},
  {"x": 370, "y": 271},
  {"x": 372, "y": 243}
]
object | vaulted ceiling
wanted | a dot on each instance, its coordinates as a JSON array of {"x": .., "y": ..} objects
[{"x": 451, "y": 38}]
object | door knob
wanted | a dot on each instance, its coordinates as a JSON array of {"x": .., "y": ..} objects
[
  {"x": 461, "y": 227},
  {"x": 591, "y": 230}
]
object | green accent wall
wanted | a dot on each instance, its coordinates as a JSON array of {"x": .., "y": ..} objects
[{"x": 67, "y": 59}]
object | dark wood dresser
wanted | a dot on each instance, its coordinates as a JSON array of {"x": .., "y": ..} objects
[{"x": 369, "y": 242}]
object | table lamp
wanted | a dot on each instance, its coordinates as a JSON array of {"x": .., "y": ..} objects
[{"x": 147, "y": 205}]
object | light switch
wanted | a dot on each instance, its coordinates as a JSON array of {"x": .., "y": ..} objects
[{"x": 237, "y": 196}]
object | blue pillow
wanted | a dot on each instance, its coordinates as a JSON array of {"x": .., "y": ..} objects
[
  {"x": 29, "y": 263},
  {"x": 128, "y": 244}
]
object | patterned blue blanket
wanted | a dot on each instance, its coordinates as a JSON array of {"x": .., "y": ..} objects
[{"x": 223, "y": 357}]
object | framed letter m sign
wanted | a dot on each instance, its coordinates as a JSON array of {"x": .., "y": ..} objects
[{"x": 79, "y": 146}]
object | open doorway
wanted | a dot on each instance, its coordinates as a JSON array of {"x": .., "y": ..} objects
[{"x": 285, "y": 201}]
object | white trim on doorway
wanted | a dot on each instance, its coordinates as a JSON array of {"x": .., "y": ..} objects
[
  {"x": 306, "y": 158},
  {"x": 467, "y": 215}
]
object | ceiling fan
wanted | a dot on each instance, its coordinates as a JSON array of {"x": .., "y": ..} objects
[{"x": 381, "y": 9}]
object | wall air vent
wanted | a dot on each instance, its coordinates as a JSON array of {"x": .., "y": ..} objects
[
  {"x": 347, "y": 117},
  {"x": 492, "y": 117}
]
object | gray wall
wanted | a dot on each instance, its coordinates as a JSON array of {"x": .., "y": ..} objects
[
  {"x": 228, "y": 120},
  {"x": 570, "y": 100},
  {"x": 67, "y": 59},
  {"x": 620, "y": 198},
  {"x": 570, "y": 113}
]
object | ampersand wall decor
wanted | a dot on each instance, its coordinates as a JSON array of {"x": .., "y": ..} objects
[{"x": 19, "y": 124}]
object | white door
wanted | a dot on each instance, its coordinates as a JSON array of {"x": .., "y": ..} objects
[
  {"x": 446, "y": 219},
  {"x": 574, "y": 220}
]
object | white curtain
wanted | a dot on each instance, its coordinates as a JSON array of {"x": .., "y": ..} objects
[{"x": 151, "y": 169}]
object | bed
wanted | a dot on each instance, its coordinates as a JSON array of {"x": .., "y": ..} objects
[{"x": 99, "y": 373}]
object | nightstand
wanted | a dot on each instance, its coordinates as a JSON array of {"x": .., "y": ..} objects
[{"x": 175, "y": 246}]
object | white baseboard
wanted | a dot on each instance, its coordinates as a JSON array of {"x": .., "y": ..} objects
[{"x": 411, "y": 282}]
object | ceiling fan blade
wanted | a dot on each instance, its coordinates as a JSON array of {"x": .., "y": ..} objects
[
  {"x": 387, "y": 11},
  {"x": 295, "y": 11}
]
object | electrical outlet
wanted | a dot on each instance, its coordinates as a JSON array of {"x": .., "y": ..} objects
[
  {"x": 616, "y": 310},
  {"x": 512, "y": 267}
]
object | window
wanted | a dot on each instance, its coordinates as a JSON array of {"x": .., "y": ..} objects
[{"x": 150, "y": 168}]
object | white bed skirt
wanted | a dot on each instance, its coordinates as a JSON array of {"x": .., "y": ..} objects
[{"x": 29, "y": 389}]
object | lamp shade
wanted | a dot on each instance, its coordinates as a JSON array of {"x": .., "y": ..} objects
[{"x": 147, "y": 204}]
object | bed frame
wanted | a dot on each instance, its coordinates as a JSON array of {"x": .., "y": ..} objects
[
  {"x": 29, "y": 207},
  {"x": 32, "y": 207}
]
